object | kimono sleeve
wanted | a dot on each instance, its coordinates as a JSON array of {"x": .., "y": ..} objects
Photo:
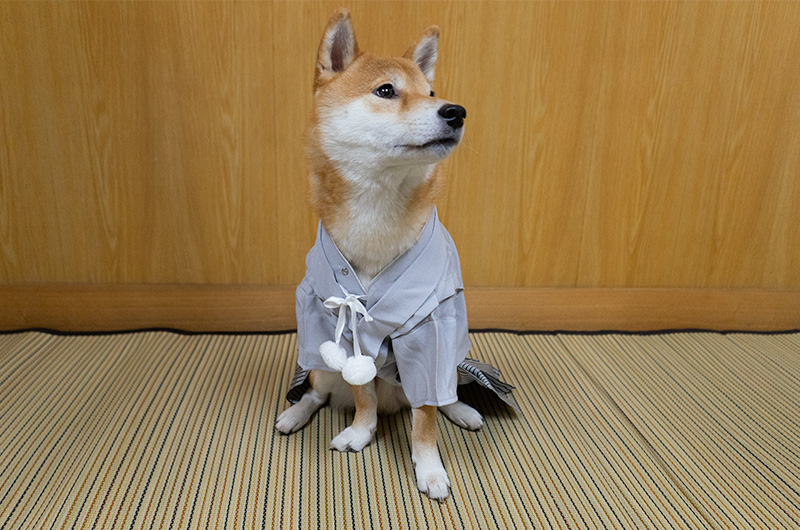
[
  {"x": 315, "y": 325},
  {"x": 428, "y": 355}
]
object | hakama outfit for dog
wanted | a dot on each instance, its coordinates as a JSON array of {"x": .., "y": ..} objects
[{"x": 411, "y": 321}]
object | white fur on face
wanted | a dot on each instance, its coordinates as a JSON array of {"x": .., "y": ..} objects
[{"x": 357, "y": 133}]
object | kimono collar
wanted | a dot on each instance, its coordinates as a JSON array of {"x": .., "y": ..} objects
[{"x": 389, "y": 301}]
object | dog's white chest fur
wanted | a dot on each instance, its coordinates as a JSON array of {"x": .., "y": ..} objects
[{"x": 378, "y": 229}]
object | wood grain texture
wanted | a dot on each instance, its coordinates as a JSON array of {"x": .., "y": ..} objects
[
  {"x": 70, "y": 308},
  {"x": 242, "y": 308},
  {"x": 632, "y": 309},
  {"x": 609, "y": 144}
]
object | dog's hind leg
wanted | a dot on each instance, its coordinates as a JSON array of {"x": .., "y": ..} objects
[
  {"x": 463, "y": 415},
  {"x": 359, "y": 434},
  {"x": 296, "y": 416},
  {"x": 431, "y": 476}
]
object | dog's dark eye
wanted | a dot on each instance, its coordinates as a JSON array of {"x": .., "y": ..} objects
[
  {"x": 433, "y": 94},
  {"x": 385, "y": 91}
]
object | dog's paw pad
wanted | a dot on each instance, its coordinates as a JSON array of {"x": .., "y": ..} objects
[
  {"x": 351, "y": 439},
  {"x": 433, "y": 481}
]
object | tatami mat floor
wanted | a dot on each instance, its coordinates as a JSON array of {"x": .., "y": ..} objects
[{"x": 163, "y": 430}]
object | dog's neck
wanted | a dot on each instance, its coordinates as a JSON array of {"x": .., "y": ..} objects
[{"x": 381, "y": 213}]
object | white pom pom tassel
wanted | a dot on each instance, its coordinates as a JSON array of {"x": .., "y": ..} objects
[
  {"x": 333, "y": 355},
  {"x": 359, "y": 370}
]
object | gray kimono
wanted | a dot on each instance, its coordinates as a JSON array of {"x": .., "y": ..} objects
[{"x": 418, "y": 335}]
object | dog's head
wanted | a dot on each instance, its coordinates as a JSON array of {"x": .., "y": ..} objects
[{"x": 378, "y": 110}]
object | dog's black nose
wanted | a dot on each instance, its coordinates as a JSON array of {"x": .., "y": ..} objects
[{"x": 454, "y": 115}]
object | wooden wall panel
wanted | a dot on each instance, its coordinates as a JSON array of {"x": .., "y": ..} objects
[
  {"x": 140, "y": 143},
  {"x": 630, "y": 144},
  {"x": 609, "y": 144},
  {"x": 249, "y": 308}
]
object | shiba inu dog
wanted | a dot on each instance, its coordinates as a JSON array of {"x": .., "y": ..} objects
[{"x": 376, "y": 138}]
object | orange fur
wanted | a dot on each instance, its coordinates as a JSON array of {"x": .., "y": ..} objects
[
  {"x": 327, "y": 189},
  {"x": 366, "y": 404},
  {"x": 423, "y": 432}
]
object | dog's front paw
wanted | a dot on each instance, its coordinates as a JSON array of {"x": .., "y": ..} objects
[
  {"x": 432, "y": 480},
  {"x": 292, "y": 419},
  {"x": 352, "y": 439},
  {"x": 463, "y": 415}
]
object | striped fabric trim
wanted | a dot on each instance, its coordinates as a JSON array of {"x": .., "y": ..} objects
[
  {"x": 469, "y": 371},
  {"x": 299, "y": 385},
  {"x": 489, "y": 377},
  {"x": 161, "y": 430}
]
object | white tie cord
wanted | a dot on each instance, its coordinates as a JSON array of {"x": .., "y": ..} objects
[{"x": 359, "y": 369}]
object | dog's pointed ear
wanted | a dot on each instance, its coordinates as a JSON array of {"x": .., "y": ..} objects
[
  {"x": 424, "y": 52},
  {"x": 338, "y": 48}
]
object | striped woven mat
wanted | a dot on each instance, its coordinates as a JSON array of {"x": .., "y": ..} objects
[{"x": 163, "y": 430}]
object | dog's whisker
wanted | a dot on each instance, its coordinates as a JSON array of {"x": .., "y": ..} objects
[{"x": 465, "y": 144}]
